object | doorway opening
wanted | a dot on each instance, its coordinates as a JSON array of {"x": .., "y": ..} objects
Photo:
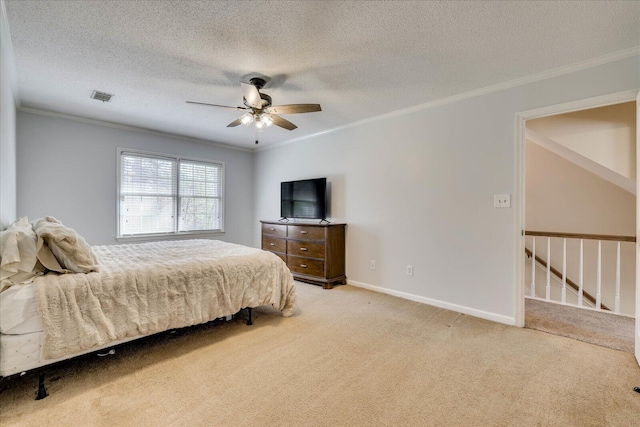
[{"x": 578, "y": 220}]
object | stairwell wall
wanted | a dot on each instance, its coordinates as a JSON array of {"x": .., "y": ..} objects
[
  {"x": 562, "y": 197},
  {"x": 606, "y": 135}
]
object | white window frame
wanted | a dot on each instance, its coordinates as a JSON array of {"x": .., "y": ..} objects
[{"x": 177, "y": 159}]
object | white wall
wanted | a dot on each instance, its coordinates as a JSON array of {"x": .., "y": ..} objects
[
  {"x": 417, "y": 188},
  {"x": 7, "y": 128},
  {"x": 606, "y": 135},
  {"x": 67, "y": 169}
]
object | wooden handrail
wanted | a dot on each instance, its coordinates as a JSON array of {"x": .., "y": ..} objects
[
  {"x": 581, "y": 236},
  {"x": 586, "y": 295}
]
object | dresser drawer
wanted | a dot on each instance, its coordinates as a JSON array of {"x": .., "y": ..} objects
[
  {"x": 306, "y": 232},
  {"x": 315, "y": 253},
  {"x": 305, "y": 249},
  {"x": 274, "y": 230},
  {"x": 274, "y": 244},
  {"x": 311, "y": 267}
]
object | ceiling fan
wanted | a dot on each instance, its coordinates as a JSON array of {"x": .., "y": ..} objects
[{"x": 259, "y": 109}]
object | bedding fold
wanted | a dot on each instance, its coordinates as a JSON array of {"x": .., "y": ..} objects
[{"x": 146, "y": 288}]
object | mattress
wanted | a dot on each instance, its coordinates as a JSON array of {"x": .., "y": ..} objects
[
  {"x": 18, "y": 310},
  {"x": 21, "y": 353}
]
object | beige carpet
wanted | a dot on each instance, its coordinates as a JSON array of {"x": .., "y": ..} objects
[
  {"x": 350, "y": 357},
  {"x": 595, "y": 327}
]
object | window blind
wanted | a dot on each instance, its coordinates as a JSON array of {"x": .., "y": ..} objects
[
  {"x": 200, "y": 196},
  {"x": 148, "y": 194},
  {"x": 161, "y": 194}
]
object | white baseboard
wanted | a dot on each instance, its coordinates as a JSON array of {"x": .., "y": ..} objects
[{"x": 437, "y": 303}]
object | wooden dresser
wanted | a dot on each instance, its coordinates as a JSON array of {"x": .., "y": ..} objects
[{"x": 313, "y": 252}]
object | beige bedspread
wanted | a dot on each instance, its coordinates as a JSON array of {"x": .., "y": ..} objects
[{"x": 151, "y": 287}]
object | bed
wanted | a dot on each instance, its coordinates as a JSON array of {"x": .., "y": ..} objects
[{"x": 139, "y": 290}]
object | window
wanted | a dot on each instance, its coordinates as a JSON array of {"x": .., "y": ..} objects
[
  {"x": 168, "y": 195},
  {"x": 200, "y": 196}
]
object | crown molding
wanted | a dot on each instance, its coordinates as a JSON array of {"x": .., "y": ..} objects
[
  {"x": 544, "y": 75},
  {"x": 131, "y": 128}
]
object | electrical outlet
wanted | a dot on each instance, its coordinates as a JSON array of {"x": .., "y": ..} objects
[
  {"x": 502, "y": 200},
  {"x": 372, "y": 264},
  {"x": 409, "y": 270}
]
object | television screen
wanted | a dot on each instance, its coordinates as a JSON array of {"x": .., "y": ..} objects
[{"x": 303, "y": 199}]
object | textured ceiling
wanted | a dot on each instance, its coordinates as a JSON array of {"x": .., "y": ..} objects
[{"x": 357, "y": 59}]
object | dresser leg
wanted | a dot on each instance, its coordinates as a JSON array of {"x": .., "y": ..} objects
[{"x": 327, "y": 286}]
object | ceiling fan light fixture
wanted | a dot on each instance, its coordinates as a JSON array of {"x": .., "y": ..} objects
[
  {"x": 259, "y": 110},
  {"x": 246, "y": 119},
  {"x": 266, "y": 120}
]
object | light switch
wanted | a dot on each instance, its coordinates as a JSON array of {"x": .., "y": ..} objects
[{"x": 502, "y": 200}]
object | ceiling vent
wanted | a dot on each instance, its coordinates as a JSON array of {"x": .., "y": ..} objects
[{"x": 101, "y": 96}]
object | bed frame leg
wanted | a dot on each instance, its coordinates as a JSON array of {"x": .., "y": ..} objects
[
  {"x": 249, "y": 321},
  {"x": 42, "y": 391}
]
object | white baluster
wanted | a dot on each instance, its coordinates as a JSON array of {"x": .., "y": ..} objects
[
  {"x": 548, "y": 290},
  {"x": 599, "y": 288},
  {"x": 617, "y": 308},
  {"x": 533, "y": 269},
  {"x": 581, "y": 275},
  {"x": 564, "y": 271}
]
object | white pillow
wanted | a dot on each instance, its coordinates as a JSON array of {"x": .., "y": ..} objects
[
  {"x": 18, "y": 253},
  {"x": 69, "y": 248}
]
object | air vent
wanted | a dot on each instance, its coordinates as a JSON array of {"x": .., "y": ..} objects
[{"x": 101, "y": 96}]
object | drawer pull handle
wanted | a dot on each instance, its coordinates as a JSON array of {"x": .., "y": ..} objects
[
  {"x": 304, "y": 249},
  {"x": 303, "y": 232},
  {"x": 303, "y": 265},
  {"x": 272, "y": 244},
  {"x": 272, "y": 229}
]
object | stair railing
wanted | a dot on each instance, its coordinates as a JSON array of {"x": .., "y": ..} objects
[{"x": 579, "y": 287}]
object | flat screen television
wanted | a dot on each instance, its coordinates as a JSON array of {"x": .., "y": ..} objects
[{"x": 304, "y": 199}]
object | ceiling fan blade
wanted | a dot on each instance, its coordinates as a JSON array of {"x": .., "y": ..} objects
[
  {"x": 294, "y": 108},
  {"x": 216, "y": 105},
  {"x": 283, "y": 123},
  {"x": 234, "y": 123},
  {"x": 252, "y": 95}
]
